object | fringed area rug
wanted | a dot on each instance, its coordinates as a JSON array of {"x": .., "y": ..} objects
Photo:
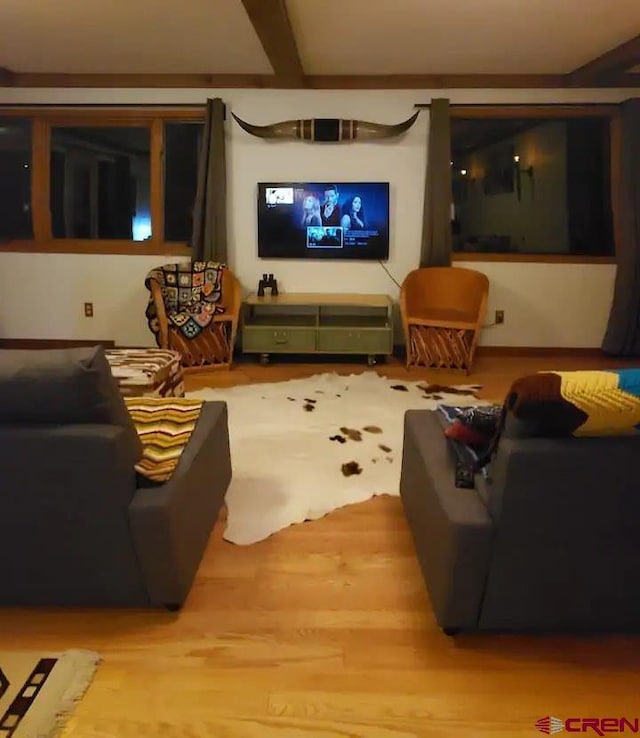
[
  {"x": 302, "y": 448},
  {"x": 39, "y": 691}
]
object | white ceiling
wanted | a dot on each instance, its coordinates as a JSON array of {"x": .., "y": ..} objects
[
  {"x": 129, "y": 36},
  {"x": 458, "y": 36},
  {"x": 333, "y": 36}
]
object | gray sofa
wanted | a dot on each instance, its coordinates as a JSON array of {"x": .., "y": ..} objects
[
  {"x": 550, "y": 541},
  {"x": 78, "y": 526}
]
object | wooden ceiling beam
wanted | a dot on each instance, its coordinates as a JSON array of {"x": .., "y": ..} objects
[
  {"x": 317, "y": 82},
  {"x": 614, "y": 62},
  {"x": 6, "y": 77},
  {"x": 271, "y": 22}
]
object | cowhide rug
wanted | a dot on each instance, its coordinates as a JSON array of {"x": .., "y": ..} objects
[{"x": 302, "y": 448}]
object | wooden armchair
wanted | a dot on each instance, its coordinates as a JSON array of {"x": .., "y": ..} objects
[
  {"x": 442, "y": 310},
  {"x": 213, "y": 345}
]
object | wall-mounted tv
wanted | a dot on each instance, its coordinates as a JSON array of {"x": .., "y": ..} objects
[{"x": 323, "y": 220}]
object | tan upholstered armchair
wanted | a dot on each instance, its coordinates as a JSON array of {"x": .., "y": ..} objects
[
  {"x": 194, "y": 308},
  {"x": 442, "y": 310}
]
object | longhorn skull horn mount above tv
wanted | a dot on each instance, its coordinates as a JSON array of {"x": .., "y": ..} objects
[{"x": 328, "y": 129}]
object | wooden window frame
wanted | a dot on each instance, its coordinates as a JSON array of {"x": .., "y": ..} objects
[
  {"x": 42, "y": 120},
  {"x": 612, "y": 112}
]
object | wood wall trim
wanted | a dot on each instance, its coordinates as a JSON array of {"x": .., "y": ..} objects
[
  {"x": 598, "y": 110},
  {"x": 434, "y": 81},
  {"x": 77, "y": 120},
  {"x": 533, "y": 351},
  {"x": 109, "y": 115},
  {"x": 143, "y": 81},
  {"x": 51, "y": 343},
  {"x": 533, "y": 258},
  {"x": 481, "y": 351},
  {"x": 317, "y": 82},
  {"x": 95, "y": 247},
  {"x": 156, "y": 176},
  {"x": 40, "y": 180}
]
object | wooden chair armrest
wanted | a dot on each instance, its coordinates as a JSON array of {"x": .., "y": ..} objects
[
  {"x": 231, "y": 298},
  {"x": 161, "y": 311}
]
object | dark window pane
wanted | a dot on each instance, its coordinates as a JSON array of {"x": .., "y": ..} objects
[
  {"x": 100, "y": 183},
  {"x": 532, "y": 186},
  {"x": 182, "y": 147},
  {"x": 15, "y": 179}
]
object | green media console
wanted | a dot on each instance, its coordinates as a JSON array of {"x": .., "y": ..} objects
[{"x": 319, "y": 323}]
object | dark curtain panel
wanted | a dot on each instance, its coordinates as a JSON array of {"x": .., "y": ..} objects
[
  {"x": 209, "y": 237},
  {"x": 436, "y": 223},
  {"x": 589, "y": 187},
  {"x": 623, "y": 332}
]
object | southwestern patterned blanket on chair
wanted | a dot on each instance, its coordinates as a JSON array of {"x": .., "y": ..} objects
[{"x": 191, "y": 293}]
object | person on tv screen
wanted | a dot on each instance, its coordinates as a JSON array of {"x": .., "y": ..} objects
[
  {"x": 353, "y": 217},
  {"x": 330, "y": 207},
  {"x": 310, "y": 211},
  {"x": 330, "y": 238}
]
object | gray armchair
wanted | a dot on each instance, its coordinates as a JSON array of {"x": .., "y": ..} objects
[
  {"x": 78, "y": 526},
  {"x": 550, "y": 542}
]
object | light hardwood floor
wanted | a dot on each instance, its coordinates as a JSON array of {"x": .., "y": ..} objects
[{"x": 325, "y": 630}]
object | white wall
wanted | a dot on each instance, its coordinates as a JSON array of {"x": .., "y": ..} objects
[
  {"x": 46, "y": 300},
  {"x": 42, "y": 296},
  {"x": 556, "y": 305}
]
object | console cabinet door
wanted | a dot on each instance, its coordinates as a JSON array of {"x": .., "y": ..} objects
[
  {"x": 354, "y": 340},
  {"x": 278, "y": 340}
]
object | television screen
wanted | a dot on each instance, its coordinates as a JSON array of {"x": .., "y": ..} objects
[{"x": 323, "y": 220}]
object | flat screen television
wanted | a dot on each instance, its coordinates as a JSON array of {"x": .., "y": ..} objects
[{"x": 323, "y": 220}]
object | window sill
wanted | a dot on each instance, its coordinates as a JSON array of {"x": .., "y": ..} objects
[
  {"x": 533, "y": 258},
  {"x": 96, "y": 247}
]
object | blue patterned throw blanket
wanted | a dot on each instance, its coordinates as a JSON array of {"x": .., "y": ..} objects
[{"x": 191, "y": 292}]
